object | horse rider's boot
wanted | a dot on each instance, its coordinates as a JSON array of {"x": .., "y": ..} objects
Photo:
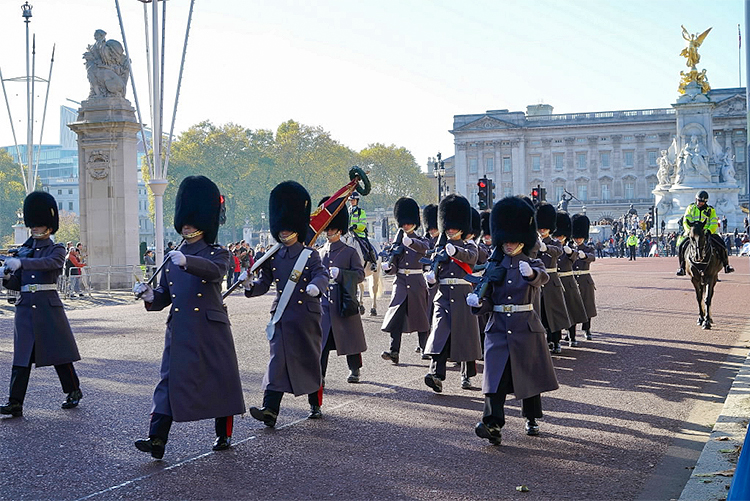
[
  {"x": 681, "y": 272},
  {"x": 728, "y": 269}
]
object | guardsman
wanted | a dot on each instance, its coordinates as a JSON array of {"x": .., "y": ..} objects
[
  {"x": 585, "y": 255},
  {"x": 408, "y": 309},
  {"x": 358, "y": 226},
  {"x": 516, "y": 356},
  {"x": 554, "y": 313},
  {"x": 294, "y": 332},
  {"x": 41, "y": 334},
  {"x": 470, "y": 367},
  {"x": 455, "y": 332},
  {"x": 431, "y": 233},
  {"x": 700, "y": 211},
  {"x": 485, "y": 243},
  {"x": 573, "y": 300},
  {"x": 200, "y": 378},
  {"x": 342, "y": 323}
]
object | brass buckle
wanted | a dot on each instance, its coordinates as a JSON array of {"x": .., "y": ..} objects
[
  {"x": 507, "y": 308},
  {"x": 295, "y": 276},
  {"x": 33, "y": 287}
]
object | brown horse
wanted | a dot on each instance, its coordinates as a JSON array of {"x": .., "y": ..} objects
[{"x": 703, "y": 266}]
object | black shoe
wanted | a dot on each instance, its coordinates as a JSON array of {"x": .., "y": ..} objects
[
  {"x": 222, "y": 443},
  {"x": 315, "y": 412},
  {"x": 466, "y": 383},
  {"x": 153, "y": 445},
  {"x": 72, "y": 400},
  {"x": 264, "y": 414},
  {"x": 680, "y": 272},
  {"x": 434, "y": 382},
  {"x": 728, "y": 269},
  {"x": 573, "y": 343},
  {"x": 426, "y": 357},
  {"x": 557, "y": 349},
  {"x": 565, "y": 337},
  {"x": 418, "y": 349},
  {"x": 13, "y": 408},
  {"x": 588, "y": 336},
  {"x": 353, "y": 376},
  {"x": 390, "y": 355},
  {"x": 491, "y": 433},
  {"x": 532, "y": 428}
]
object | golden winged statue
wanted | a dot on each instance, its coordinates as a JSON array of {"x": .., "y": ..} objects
[{"x": 691, "y": 51}]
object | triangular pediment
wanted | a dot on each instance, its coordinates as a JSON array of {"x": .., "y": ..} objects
[
  {"x": 487, "y": 123},
  {"x": 734, "y": 105}
]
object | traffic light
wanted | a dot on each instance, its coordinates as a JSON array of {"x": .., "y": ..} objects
[
  {"x": 536, "y": 194},
  {"x": 542, "y": 194},
  {"x": 490, "y": 193},
  {"x": 483, "y": 193}
]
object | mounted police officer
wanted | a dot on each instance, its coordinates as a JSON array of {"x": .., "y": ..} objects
[
  {"x": 700, "y": 211},
  {"x": 42, "y": 334},
  {"x": 358, "y": 226},
  {"x": 200, "y": 376}
]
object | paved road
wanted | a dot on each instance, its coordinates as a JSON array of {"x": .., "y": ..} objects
[{"x": 633, "y": 411}]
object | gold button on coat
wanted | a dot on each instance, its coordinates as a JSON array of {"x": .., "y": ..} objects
[{"x": 176, "y": 309}]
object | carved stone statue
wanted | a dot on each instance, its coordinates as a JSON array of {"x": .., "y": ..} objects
[
  {"x": 665, "y": 167},
  {"x": 693, "y": 159},
  {"x": 727, "y": 168},
  {"x": 107, "y": 67},
  {"x": 691, "y": 51}
]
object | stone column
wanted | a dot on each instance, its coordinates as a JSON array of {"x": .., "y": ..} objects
[{"x": 108, "y": 189}]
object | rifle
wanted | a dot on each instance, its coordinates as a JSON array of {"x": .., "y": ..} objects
[
  {"x": 492, "y": 273},
  {"x": 438, "y": 254},
  {"x": 393, "y": 250}
]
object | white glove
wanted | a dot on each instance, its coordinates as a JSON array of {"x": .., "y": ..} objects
[
  {"x": 430, "y": 277},
  {"x": 177, "y": 257},
  {"x": 243, "y": 276},
  {"x": 333, "y": 272},
  {"x": 525, "y": 269},
  {"x": 406, "y": 240},
  {"x": 7, "y": 273},
  {"x": 450, "y": 249},
  {"x": 473, "y": 300},
  {"x": 387, "y": 267},
  {"x": 581, "y": 255},
  {"x": 312, "y": 290},
  {"x": 143, "y": 291},
  {"x": 567, "y": 250},
  {"x": 542, "y": 246},
  {"x": 13, "y": 263}
]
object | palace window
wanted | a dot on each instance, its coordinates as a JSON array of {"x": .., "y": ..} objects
[
  {"x": 70, "y": 206},
  {"x": 507, "y": 190},
  {"x": 652, "y": 156},
  {"x": 627, "y": 158},
  {"x": 472, "y": 165},
  {"x": 559, "y": 190},
  {"x": 581, "y": 160},
  {"x": 506, "y": 163},
  {"x": 629, "y": 190},
  {"x": 605, "y": 192},
  {"x": 489, "y": 164},
  {"x": 583, "y": 190},
  {"x": 559, "y": 160},
  {"x": 536, "y": 162},
  {"x": 604, "y": 160}
]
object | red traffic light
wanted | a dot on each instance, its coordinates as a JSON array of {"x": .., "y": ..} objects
[
  {"x": 534, "y": 193},
  {"x": 482, "y": 184}
]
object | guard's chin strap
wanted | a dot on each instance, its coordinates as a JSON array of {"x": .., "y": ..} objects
[
  {"x": 194, "y": 234},
  {"x": 291, "y": 237},
  {"x": 41, "y": 236}
]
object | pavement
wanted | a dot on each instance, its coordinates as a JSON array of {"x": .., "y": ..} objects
[{"x": 636, "y": 407}]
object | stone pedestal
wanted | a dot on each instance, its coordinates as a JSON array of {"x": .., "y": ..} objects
[
  {"x": 108, "y": 187},
  {"x": 20, "y": 233}
]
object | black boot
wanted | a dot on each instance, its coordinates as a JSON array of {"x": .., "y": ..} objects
[
  {"x": 154, "y": 445},
  {"x": 315, "y": 412},
  {"x": 72, "y": 400},
  {"x": 13, "y": 408},
  {"x": 222, "y": 443},
  {"x": 264, "y": 414},
  {"x": 491, "y": 433}
]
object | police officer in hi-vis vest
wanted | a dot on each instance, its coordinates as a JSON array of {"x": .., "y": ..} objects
[{"x": 700, "y": 211}]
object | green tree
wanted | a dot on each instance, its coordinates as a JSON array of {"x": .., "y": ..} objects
[
  {"x": 394, "y": 173},
  {"x": 69, "y": 229},
  {"x": 12, "y": 193}
]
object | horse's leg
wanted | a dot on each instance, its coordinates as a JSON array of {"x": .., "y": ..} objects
[
  {"x": 709, "y": 296},
  {"x": 361, "y": 294},
  {"x": 698, "y": 286},
  {"x": 374, "y": 292}
]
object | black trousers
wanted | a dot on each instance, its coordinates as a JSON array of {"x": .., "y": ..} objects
[
  {"x": 398, "y": 330},
  {"x": 19, "y": 380},
  {"x": 272, "y": 399},
  {"x": 631, "y": 253},
  {"x": 353, "y": 361},
  {"x": 494, "y": 403},
  {"x": 440, "y": 361},
  {"x": 162, "y": 423}
]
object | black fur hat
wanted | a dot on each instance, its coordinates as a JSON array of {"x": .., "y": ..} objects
[
  {"x": 429, "y": 217},
  {"x": 546, "y": 216},
  {"x": 485, "y": 223},
  {"x": 406, "y": 211},
  {"x": 512, "y": 220},
  {"x": 454, "y": 212},
  {"x": 563, "y": 225},
  {"x": 198, "y": 204},
  {"x": 476, "y": 223},
  {"x": 341, "y": 220},
  {"x": 580, "y": 223},
  {"x": 40, "y": 209},
  {"x": 289, "y": 210}
]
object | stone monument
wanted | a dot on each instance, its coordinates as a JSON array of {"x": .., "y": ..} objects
[
  {"x": 695, "y": 161},
  {"x": 107, "y": 167}
]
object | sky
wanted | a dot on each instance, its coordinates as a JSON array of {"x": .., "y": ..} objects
[{"x": 385, "y": 71}]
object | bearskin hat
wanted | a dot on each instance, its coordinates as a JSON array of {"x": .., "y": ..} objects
[
  {"x": 40, "y": 209},
  {"x": 454, "y": 212},
  {"x": 198, "y": 204},
  {"x": 512, "y": 220},
  {"x": 563, "y": 228},
  {"x": 580, "y": 223},
  {"x": 341, "y": 220},
  {"x": 429, "y": 217},
  {"x": 289, "y": 210},
  {"x": 476, "y": 223},
  {"x": 485, "y": 224},
  {"x": 546, "y": 216},
  {"x": 406, "y": 211}
]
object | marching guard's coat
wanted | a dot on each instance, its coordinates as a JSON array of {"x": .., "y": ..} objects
[
  {"x": 518, "y": 337},
  {"x": 452, "y": 316},
  {"x": 411, "y": 288},
  {"x": 553, "y": 294},
  {"x": 583, "y": 277},
  {"x": 199, "y": 373},
  {"x": 573, "y": 300},
  {"x": 348, "y": 333},
  {"x": 41, "y": 325},
  {"x": 294, "y": 366}
]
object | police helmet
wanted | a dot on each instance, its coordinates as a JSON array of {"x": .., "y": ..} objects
[
  {"x": 354, "y": 196},
  {"x": 702, "y": 196}
]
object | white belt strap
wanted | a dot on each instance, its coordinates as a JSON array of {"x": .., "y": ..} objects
[
  {"x": 38, "y": 287},
  {"x": 287, "y": 292},
  {"x": 512, "y": 308},
  {"x": 408, "y": 272},
  {"x": 454, "y": 281},
  {"x": 551, "y": 270},
  {"x": 565, "y": 274},
  {"x": 578, "y": 273}
]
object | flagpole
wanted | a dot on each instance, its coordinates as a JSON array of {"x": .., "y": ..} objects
[{"x": 739, "y": 55}]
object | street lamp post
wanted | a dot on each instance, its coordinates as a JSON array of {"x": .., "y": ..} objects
[
  {"x": 26, "y": 14},
  {"x": 438, "y": 169},
  {"x": 263, "y": 228}
]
